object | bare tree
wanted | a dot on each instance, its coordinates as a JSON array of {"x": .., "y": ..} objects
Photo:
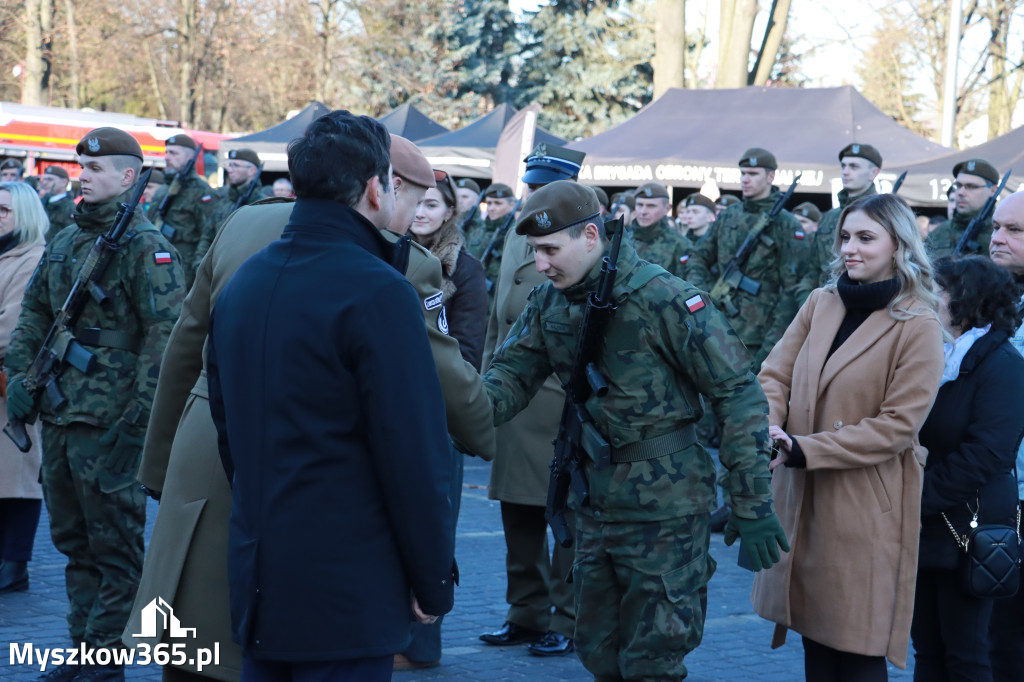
[
  {"x": 39, "y": 15},
  {"x": 669, "y": 45}
]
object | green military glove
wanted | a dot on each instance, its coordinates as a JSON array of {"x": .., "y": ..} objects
[
  {"x": 125, "y": 443},
  {"x": 761, "y": 539},
  {"x": 19, "y": 402}
]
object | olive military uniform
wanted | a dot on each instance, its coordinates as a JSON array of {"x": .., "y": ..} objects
[
  {"x": 60, "y": 212},
  {"x": 662, "y": 245},
  {"x": 91, "y": 445},
  {"x": 642, "y": 561},
  {"x": 190, "y": 219},
  {"x": 943, "y": 239},
  {"x": 762, "y": 317}
]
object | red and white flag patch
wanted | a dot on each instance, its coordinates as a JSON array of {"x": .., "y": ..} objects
[
  {"x": 683, "y": 260},
  {"x": 694, "y": 303},
  {"x": 799, "y": 234},
  {"x": 162, "y": 257}
]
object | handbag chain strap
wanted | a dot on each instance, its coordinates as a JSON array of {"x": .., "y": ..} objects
[{"x": 963, "y": 542}]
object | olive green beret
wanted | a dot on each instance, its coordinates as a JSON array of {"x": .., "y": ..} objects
[
  {"x": 181, "y": 141},
  {"x": 755, "y": 157},
  {"x": 499, "y": 191},
  {"x": 979, "y": 167},
  {"x": 245, "y": 155},
  {"x": 809, "y": 210},
  {"x": 861, "y": 151},
  {"x": 698, "y": 199},
  {"x": 727, "y": 200},
  {"x": 602, "y": 196},
  {"x": 157, "y": 177},
  {"x": 468, "y": 183},
  {"x": 10, "y": 163},
  {"x": 556, "y": 206},
  {"x": 651, "y": 190},
  {"x": 56, "y": 170},
  {"x": 108, "y": 142},
  {"x": 626, "y": 198}
]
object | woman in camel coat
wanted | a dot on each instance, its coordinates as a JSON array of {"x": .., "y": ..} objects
[{"x": 849, "y": 386}]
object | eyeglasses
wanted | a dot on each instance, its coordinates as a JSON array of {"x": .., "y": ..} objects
[
  {"x": 5, "y": 211},
  {"x": 969, "y": 186}
]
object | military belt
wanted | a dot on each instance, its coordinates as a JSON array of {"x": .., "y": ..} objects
[
  {"x": 653, "y": 448},
  {"x": 108, "y": 338}
]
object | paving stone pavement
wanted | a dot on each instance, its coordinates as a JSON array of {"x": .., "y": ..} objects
[{"x": 735, "y": 646}]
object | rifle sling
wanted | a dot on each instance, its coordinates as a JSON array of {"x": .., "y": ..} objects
[
  {"x": 659, "y": 446},
  {"x": 108, "y": 338}
]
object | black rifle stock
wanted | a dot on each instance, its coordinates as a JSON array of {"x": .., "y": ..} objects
[
  {"x": 732, "y": 277},
  {"x": 59, "y": 348},
  {"x": 243, "y": 199},
  {"x": 472, "y": 214},
  {"x": 899, "y": 183},
  {"x": 577, "y": 435},
  {"x": 498, "y": 238},
  {"x": 969, "y": 239},
  {"x": 172, "y": 192}
]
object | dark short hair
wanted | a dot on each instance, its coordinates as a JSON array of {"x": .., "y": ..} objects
[
  {"x": 337, "y": 156},
  {"x": 980, "y": 293}
]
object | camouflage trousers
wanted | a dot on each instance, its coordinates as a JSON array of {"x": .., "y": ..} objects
[
  {"x": 97, "y": 521},
  {"x": 641, "y": 596}
]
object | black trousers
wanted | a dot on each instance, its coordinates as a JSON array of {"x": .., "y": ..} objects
[
  {"x": 950, "y": 630},
  {"x": 1006, "y": 630},
  {"x": 19, "y": 518},
  {"x": 825, "y": 664}
]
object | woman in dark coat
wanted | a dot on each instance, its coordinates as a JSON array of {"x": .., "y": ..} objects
[
  {"x": 972, "y": 434},
  {"x": 435, "y": 227}
]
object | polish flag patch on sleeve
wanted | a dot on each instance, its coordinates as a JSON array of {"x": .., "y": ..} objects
[
  {"x": 683, "y": 260},
  {"x": 162, "y": 257},
  {"x": 694, "y": 303}
]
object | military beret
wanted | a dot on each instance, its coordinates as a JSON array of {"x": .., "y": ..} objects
[
  {"x": 56, "y": 170},
  {"x": 651, "y": 190},
  {"x": 698, "y": 199},
  {"x": 624, "y": 198},
  {"x": 182, "y": 141},
  {"x": 468, "y": 183},
  {"x": 499, "y": 191},
  {"x": 157, "y": 177},
  {"x": 10, "y": 163},
  {"x": 861, "y": 151},
  {"x": 409, "y": 163},
  {"x": 755, "y": 157},
  {"x": 549, "y": 162},
  {"x": 602, "y": 196},
  {"x": 244, "y": 155},
  {"x": 809, "y": 210},
  {"x": 979, "y": 167},
  {"x": 556, "y": 206},
  {"x": 727, "y": 200},
  {"x": 108, "y": 142}
]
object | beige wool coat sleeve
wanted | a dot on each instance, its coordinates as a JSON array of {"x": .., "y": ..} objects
[{"x": 852, "y": 516}]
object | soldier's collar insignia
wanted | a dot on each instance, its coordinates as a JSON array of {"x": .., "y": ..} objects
[
  {"x": 542, "y": 220},
  {"x": 855, "y": 149},
  {"x": 970, "y": 165},
  {"x": 94, "y": 144}
]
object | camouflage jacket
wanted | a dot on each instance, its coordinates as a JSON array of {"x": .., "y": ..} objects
[
  {"x": 61, "y": 214},
  {"x": 762, "y": 318},
  {"x": 944, "y": 238},
  {"x": 472, "y": 229},
  {"x": 662, "y": 245},
  {"x": 146, "y": 286},
  {"x": 665, "y": 346},
  {"x": 822, "y": 247},
  {"x": 189, "y": 220}
]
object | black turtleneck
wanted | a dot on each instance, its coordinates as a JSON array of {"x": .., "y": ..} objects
[
  {"x": 860, "y": 300},
  {"x": 7, "y": 242}
]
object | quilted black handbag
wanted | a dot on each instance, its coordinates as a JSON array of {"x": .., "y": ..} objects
[{"x": 990, "y": 562}]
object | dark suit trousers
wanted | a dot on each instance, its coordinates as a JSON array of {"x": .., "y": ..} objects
[
  {"x": 536, "y": 575},
  {"x": 19, "y": 518},
  {"x": 1006, "y": 630}
]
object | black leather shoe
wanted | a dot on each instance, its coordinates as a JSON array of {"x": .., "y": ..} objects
[
  {"x": 719, "y": 518},
  {"x": 552, "y": 644},
  {"x": 13, "y": 576},
  {"x": 511, "y": 634},
  {"x": 61, "y": 673}
]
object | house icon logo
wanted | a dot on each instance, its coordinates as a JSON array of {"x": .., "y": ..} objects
[{"x": 159, "y": 610}]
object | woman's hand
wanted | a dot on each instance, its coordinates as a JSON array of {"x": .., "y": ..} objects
[{"x": 782, "y": 444}]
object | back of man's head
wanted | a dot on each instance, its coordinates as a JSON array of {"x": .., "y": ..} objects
[{"x": 336, "y": 157}]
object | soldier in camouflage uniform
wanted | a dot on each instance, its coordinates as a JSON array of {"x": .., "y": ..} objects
[
  {"x": 642, "y": 562},
  {"x": 976, "y": 181},
  {"x": 699, "y": 215},
  {"x": 92, "y": 443},
  {"x": 467, "y": 194},
  {"x": 761, "y": 318},
  {"x": 58, "y": 204},
  {"x": 860, "y": 165},
  {"x": 189, "y": 220},
  {"x": 500, "y": 201},
  {"x": 654, "y": 237}
]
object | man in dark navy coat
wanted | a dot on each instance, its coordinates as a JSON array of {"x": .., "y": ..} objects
[{"x": 340, "y": 530}]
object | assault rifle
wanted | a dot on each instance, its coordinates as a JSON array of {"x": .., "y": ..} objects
[
  {"x": 899, "y": 183},
  {"x": 243, "y": 199},
  {"x": 969, "y": 239},
  {"x": 173, "y": 191},
  {"x": 60, "y": 348},
  {"x": 732, "y": 277},
  {"x": 577, "y": 435},
  {"x": 498, "y": 238}
]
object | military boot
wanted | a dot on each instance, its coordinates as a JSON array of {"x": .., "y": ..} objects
[
  {"x": 62, "y": 673},
  {"x": 101, "y": 673},
  {"x": 13, "y": 576}
]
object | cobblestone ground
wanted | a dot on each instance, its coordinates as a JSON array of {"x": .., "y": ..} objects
[{"x": 735, "y": 646}]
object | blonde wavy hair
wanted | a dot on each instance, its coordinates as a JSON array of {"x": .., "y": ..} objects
[{"x": 912, "y": 266}]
